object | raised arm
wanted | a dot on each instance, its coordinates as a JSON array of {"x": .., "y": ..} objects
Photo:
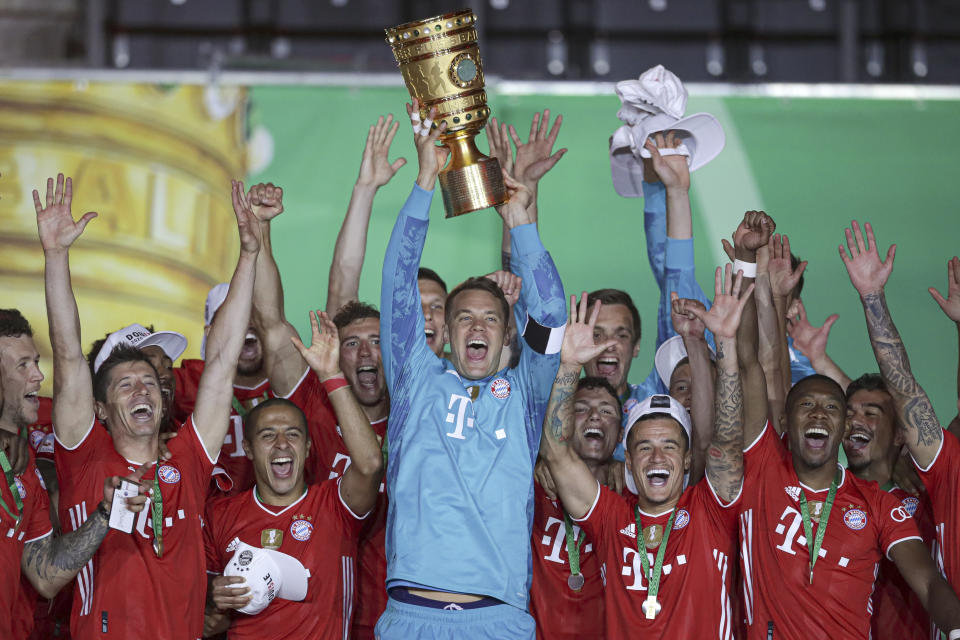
[
  {"x": 811, "y": 341},
  {"x": 211, "y": 413},
  {"x": 771, "y": 339},
  {"x": 575, "y": 484},
  {"x": 361, "y": 480},
  {"x": 724, "y": 467},
  {"x": 869, "y": 275},
  {"x": 376, "y": 170},
  {"x": 72, "y": 384},
  {"x": 691, "y": 329},
  {"x": 284, "y": 366},
  {"x": 783, "y": 280},
  {"x": 916, "y": 566},
  {"x": 951, "y": 307}
]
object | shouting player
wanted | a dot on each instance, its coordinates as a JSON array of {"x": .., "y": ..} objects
[
  {"x": 317, "y": 524},
  {"x": 150, "y": 579},
  {"x": 668, "y": 550},
  {"x": 462, "y": 434}
]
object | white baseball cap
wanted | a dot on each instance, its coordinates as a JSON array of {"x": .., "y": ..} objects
[
  {"x": 269, "y": 574},
  {"x": 669, "y": 354},
  {"x": 215, "y": 298},
  {"x": 655, "y": 404},
  {"x": 656, "y": 102},
  {"x": 137, "y": 335}
]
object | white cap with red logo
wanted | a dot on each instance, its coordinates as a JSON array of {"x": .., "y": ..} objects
[{"x": 137, "y": 335}]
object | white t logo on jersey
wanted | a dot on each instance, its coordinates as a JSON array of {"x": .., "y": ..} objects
[
  {"x": 633, "y": 565},
  {"x": 459, "y": 419}
]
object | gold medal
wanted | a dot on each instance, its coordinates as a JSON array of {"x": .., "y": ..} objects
[
  {"x": 271, "y": 538},
  {"x": 650, "y": 607},
  {"x": 652, "y": 536},
  {"x": 816, "y": 508}
]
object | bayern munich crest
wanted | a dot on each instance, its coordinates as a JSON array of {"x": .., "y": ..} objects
[
  {"x": 500, "y": 388},
  {"x": 910, "y": 504},
  {"x": 855, "y": 519},
  {"x": 682, "y": 519},
  {"x": 36, "y": 437},
  {"x": 301, "y": 530},
  {"x": 168, "y": 474}
]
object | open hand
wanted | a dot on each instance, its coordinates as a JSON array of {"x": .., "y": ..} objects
[
  {"x": 867, "y": 271},
  {"x": 950, "y": 304},
  {"x": 376, "y": 169},
  {"x": 723, "y": 318},
  {"x": 323, "y": 356},
  {"x": 809, "y": 340},
  {"x": 499, "y": 142},
  {"x": 430, "y": 155},
  {"x": 55, "y": 224},
  {"x": 534, "y": 157},
  {"x": 783, "y": 277},
  {"x": 578, "y": 346}
]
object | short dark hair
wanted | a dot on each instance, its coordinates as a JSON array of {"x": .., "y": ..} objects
[
  {"x": 658, "y": 416},
  {"x": 597, "y": 382},
  {"x": 866, "y": 382},
  {"x": 481, "y": 283},
  {"x": 352, "y": 311},
  {"x": 250, "y": 420},
  {"x": 794, "y": 263},
  {"x": 121, "y": 353},
  {"x": 618, "y": 296},
  {"x": 816, "y": 377},
  {"x": 424, "y": 273},
  {"x": 13, "y": 324},
  {"x": 98, "y": 345}
]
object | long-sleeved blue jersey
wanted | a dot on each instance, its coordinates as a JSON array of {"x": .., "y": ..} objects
[{"x": 460, "y": 471}]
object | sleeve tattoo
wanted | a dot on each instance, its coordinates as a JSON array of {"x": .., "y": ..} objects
[
  {"x": 558, "y": 409},
  {"x": 56, "y": 558},
  {"x": 725, "y": 455}
]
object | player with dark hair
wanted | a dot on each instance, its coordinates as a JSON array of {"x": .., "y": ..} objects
[
  {"x": 317, "y": 524},
  {"x": 463, "y": 433},
  {"x": 153, "y": 577}
]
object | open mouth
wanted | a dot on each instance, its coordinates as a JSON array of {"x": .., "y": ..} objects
[
  {"x": 142, "y": 412},
  {"x": 429, "y": 333},
  {"x": 476, "y": 350},
  {"x": 607, "y": 366},
  {"x": 858, "y": 440},
  {"x": 657, "y": 477},
  {"x": 816, "y": 437},
  {"x": 593, "y": 434},
  {"x": 282, "y": 467},
  {"x": 32, "y": 397},
  {"x": 250, "y": 344},
  {"x": 367, "y": 376}
]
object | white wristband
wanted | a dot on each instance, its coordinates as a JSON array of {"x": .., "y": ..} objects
[
  {"x": 749, "y": 268},
  {"x": 954, "y": 635}
]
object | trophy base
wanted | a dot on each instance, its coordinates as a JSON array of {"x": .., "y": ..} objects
[{"x": 475, "y": 186}]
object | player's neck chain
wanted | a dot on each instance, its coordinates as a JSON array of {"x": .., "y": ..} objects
[
  {"x": 813, "y": 544},
  {"x": 650, "y": 606}
]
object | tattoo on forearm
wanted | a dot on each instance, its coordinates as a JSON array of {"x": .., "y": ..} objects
[
  {"x": 505, "y": 260},
  {"x": 725, "y": 454},
  {"x": 894, "y": 364},
  {"x": 558, "y": 408},
  {"x": 54, "y": 555}
]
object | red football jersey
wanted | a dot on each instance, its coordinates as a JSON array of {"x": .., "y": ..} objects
[
  {"x": 125, "y": 591},
  {"x": 321, "y": 532},
  {"x": 233, "y": 473},
  {"x": 371, "y": 549},
  {"x": 560, "y": 612},
  {"x": 16, "y": 613},
  {"x": 865, "y": 522},
  {"x": 695, "y": 584},
  {"x": 312, "y": 399},
  {"x": 942, "y": 481},
  {"x": 897, "y": 611}
]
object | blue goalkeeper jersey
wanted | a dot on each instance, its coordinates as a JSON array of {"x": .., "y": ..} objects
[{"x": 461, "y": 452}]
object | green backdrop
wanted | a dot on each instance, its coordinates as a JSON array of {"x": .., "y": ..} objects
[{"x": 813, "y": 164}]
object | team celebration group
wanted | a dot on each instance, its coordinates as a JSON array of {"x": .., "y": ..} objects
[{"x": 472, "y": 462}]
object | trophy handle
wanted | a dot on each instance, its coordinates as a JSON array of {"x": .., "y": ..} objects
[{"x": 471, "y": 180}]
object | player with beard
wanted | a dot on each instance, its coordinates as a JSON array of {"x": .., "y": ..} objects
[
  {"x": 873, "y": 442},
  {"x": 283, "y": 513},
  {"x": 667, "y": 551},
  {"x": 566, "y": 595},
  {"x": 935, "y": 452},
  {"x": 463, "y": 433},
  {"x": 150, "y": 579},
  {"x": 233, "y": 472},
  {"x": 800, "y": 504}
]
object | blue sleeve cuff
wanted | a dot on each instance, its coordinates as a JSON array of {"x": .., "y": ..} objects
[
  {"x": 418, "y": 203},
  {"x": 526, "y": 240},
  {"x": 679, "y": 253},
  {"x": 653, "y": 189}
]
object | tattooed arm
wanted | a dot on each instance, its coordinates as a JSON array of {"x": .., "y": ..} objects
[
  {"x": 922, "y": 430},
  {"x": 51, "y": 562},
  {"x": 725, "y": 454},
  {"x": 575, "y": 484}
]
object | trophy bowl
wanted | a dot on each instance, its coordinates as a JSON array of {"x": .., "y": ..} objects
[{"x": 440, "y": 63}]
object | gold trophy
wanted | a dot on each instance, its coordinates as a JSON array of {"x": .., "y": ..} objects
[{"x": 440, "y": 63}]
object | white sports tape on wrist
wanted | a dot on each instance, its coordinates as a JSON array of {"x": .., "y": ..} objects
[
  {"x": 749, "y": 268},
  {"x": 680, "y": 150},
  {"x": 543, "y": 339}
]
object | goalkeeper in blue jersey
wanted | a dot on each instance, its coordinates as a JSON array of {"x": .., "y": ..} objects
[{"x": 463, "y": 434}]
